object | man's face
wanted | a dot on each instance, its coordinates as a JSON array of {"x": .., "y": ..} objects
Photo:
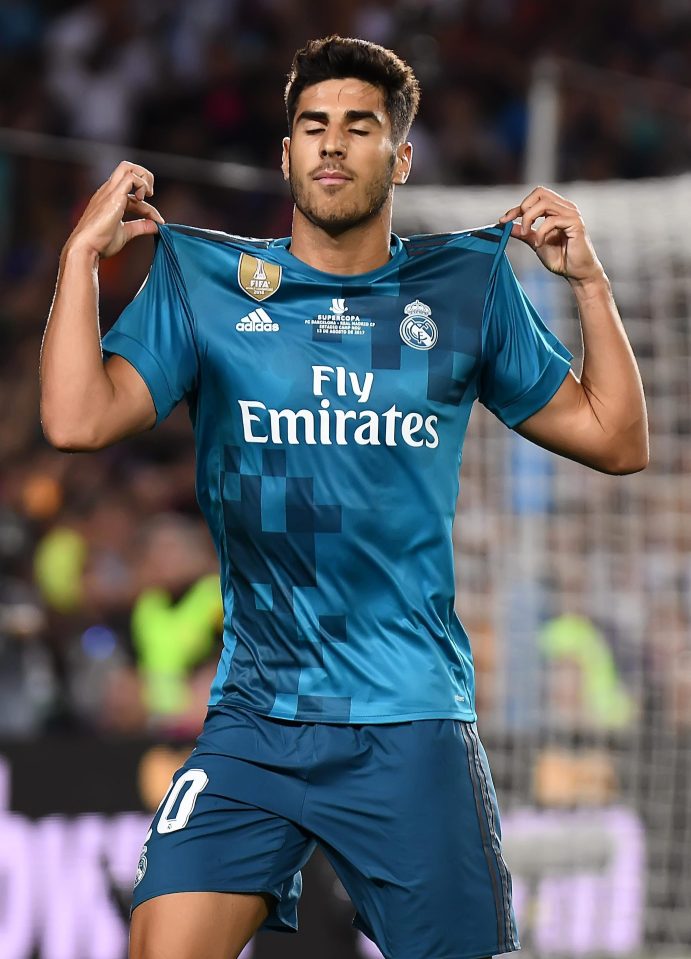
[{"x": 340, "y": 160}]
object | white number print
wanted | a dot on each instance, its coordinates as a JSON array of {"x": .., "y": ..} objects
[{"x": 197, "y": 780}]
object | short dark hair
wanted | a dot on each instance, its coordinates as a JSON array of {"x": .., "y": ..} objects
[{"x": 335, "y": 58}]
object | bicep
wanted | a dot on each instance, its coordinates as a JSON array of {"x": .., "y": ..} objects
[{"x": 131, "y": 409}]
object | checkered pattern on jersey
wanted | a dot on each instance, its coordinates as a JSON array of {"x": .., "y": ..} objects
[{"x": 271, "y": 521}]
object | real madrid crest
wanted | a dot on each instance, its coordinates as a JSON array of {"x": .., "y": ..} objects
[
  {"x": 418, "y": 329},
  {"x": 258, "y": 278},
  {"x": 141, "y": 867}
]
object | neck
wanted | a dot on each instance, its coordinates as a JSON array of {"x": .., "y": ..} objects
[{"x": 360, "y": 249}]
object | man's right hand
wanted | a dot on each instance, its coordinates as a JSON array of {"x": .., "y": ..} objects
[{"x": 101, "y": 229}]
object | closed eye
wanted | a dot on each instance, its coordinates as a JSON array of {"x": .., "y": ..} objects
[
  {"x": 360, "y": 133},
  {"x": 314, "y": 130}
]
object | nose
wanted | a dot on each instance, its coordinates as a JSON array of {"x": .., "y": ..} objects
[{"x": 332, "y": 145}]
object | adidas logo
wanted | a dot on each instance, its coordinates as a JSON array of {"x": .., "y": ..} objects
[{"x": 258, "y": 321}]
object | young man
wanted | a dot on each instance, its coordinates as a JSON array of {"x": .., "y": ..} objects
[{"x": 330, "y": 378}]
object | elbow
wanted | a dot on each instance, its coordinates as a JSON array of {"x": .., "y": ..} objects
[
  {"x": 628, "y": 451},
  {"x": 68, "y": 440},
  {"x": 625, "y": 466},
  {"x": 628, "y": 459},
  {"x": 68, "y": 444}
]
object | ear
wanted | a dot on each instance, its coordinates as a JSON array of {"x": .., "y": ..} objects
[
  {"x": 285, "y": 159},
  {"x": 404, "y": 159}
]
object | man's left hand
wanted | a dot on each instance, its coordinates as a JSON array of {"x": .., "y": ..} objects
[{"x": 560, "y": 241}]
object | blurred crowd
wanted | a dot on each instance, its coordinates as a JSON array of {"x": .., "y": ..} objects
[
  {"x": 109, "y": 598},
  {"x": 205, "y": 79}
]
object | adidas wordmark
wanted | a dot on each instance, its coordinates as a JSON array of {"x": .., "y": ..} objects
[{"x": 258, "y": 321}]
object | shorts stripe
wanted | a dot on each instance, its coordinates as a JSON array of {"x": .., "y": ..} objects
[
  {"x": 489, "y": 812},
  {"x": 482, "y": 822},
  {"x": 490, "y": 840},
  {"x": 511, "y": 940}
]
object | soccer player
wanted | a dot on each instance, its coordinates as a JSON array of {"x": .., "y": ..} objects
[{"x": 329, "y": 378}]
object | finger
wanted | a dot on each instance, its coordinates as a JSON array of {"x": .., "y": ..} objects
[
  {"x": 529, "y": 238},
  {"x": 549, "y": 224},
  {"x": 127, "y": 165},
  {"x": 529, "y": 215},
  {"x": 549, "y": 205},
  {"x": 146, "y": 175},
  {"x": 139, "y": 184},
  {"x": 525, "y": 203},
  {"x": 549, "y": 196},
  {"x": 128, "y": 182},
  {"x": 550, "y": 199},
  {"x": 136, "y": 185},
  {"x": 143, "y": 209},
  {"x": 529, "y": 210},
  {"x": 544, "y": 207},
  {"x": 142, "y": 227},
  {"x": 136, "y": 176},
  {"x": 148, "y": 178},
  {"x": 555, "y": 197},
  {"x": 139, "y": 187},
  {"x": 510, "y": 214}
]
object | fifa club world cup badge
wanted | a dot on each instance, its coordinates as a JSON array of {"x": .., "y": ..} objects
[
  {"x": 258, "y": 278},
  {"x": 418, "y": 329}
]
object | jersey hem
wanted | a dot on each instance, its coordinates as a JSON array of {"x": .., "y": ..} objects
[{"x": 377, "y": 719}]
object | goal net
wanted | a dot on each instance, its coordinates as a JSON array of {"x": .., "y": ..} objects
[{"x": 575, "y": 589}]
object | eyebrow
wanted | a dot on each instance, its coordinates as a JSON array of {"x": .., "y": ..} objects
[{"x": 318, "y": 116}]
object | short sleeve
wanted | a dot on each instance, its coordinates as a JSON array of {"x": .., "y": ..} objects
[
  {"x": 155, "y": 332},
  {"x": 523, "y": 363}
]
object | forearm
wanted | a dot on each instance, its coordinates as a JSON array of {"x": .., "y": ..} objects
[
  {"x": 74, "y": 384},
  {"x": 600, "y": 419},
  {"x": 610, "y": 379}
]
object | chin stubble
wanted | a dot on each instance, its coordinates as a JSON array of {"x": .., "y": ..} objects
[{"x": 345, "y": 218}]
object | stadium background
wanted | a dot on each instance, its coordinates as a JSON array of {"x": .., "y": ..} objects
[{"x": 575, "y": 587}]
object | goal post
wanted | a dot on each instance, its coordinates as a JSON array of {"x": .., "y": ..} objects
[{"x": 575, "y": 588}]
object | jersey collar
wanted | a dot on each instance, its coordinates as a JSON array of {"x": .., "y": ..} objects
[{"x": 281, "y": 249}]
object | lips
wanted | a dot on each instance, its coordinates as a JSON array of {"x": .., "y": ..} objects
[{"x": 331, "y": 176}]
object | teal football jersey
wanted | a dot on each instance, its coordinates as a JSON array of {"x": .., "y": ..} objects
[{"x": 329, "y": 414}]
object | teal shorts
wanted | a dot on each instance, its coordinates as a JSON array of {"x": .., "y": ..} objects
[{"x": 405, "y": 812}]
